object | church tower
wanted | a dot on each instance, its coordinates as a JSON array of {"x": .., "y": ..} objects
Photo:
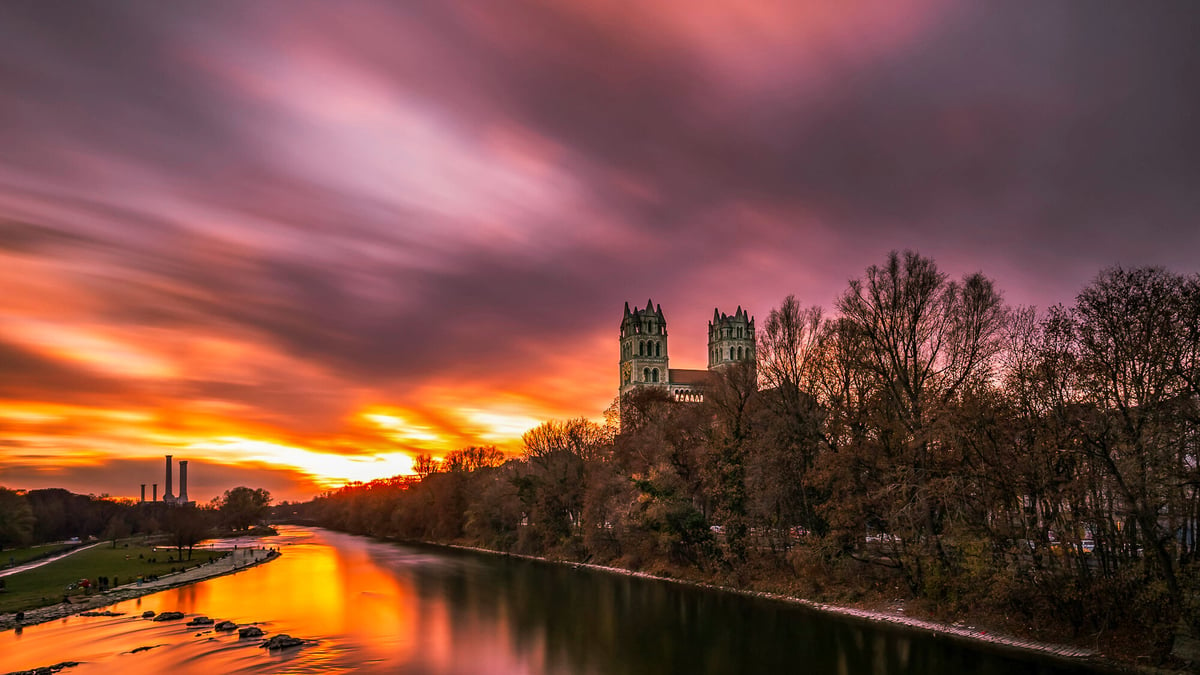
[
  {"x": 643, "y": 348},
  {"x": 730, "y": 338}
]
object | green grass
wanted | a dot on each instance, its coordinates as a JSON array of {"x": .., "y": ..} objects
[
  {"x": 19, "y": 556},
  {"x": 46, "y": 585}
]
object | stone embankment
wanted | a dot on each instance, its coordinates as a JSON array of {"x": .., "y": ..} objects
[{"x": 236, "y": 561}]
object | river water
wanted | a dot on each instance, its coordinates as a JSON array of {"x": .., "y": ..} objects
[{"x": 387, "y": 608}]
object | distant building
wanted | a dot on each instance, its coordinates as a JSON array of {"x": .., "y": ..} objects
[
  {"x": 168, "y": 497},
  {"x": 645, "y": 361}
]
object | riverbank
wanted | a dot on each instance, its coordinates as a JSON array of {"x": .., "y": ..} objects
[
  {"x": 893, "y": 616},
  {"x": 236, "y": 561}
]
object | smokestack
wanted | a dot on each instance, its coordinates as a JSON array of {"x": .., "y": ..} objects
[
  {"x": 183, "y": 481},
  {"x": 167, "y": 496},
  {"x": 143, "y": 492},
  {"x": 155, "y": 492}
]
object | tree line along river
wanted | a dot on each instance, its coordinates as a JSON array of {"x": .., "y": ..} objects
[{"x": 370, "y": 606}]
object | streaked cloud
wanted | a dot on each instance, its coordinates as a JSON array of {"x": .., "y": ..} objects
[{"x": 322, "y": 238}]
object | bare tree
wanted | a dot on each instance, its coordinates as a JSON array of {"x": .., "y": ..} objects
[
  {"x": 473, "y": 458},
  {"x": 921, "y": 339}
]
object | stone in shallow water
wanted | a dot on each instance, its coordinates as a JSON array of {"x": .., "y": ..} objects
[
  {"x": 169, "y": 616},
  {"x": 143, "y": 648},
  {"x": 147, "y": 614},
  {"x": 282, "y": 642},
  {"x": 200, "y": 621},
  {"x": 47, "y": 670},
  {"x": 250, "y": 631},
  {"x": 225, "y": 626}
]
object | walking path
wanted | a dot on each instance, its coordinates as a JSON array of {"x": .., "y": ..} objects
[
  {"x": 236, "y": 561},
  {"x": 46, "y": 561}
]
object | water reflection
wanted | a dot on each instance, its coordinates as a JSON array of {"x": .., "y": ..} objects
[{"x": 376, "y": 607}]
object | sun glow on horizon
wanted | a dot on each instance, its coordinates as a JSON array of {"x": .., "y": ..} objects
[{"x": 377, "y": 442}]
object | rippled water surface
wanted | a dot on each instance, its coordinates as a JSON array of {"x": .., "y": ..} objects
[{"x": 387, "y": 608}]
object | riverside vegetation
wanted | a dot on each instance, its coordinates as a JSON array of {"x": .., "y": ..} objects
[
  {"x": 167, "y": 533},
  {"x": 927, "y": 444}
]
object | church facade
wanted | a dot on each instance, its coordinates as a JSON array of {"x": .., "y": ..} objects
[{"x": 645, "y": 360}]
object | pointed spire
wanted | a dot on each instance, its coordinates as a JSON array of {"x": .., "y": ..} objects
[
  {"x": 649, "y": 305},
  {"x": 626, "y": 308},
  {"x": 739, "y": 312},
  {"x": 659, "y": 311},
  {"x": 716, "y": 316}
]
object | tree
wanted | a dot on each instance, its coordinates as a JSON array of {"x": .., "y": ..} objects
[
  {"x": 552, "y": 489},
  {"x": 16, "y": 518},
  {"x": 920, "y": 339},
  {"x": 473, "y": 458},
  {"x": 730, "y": 396},
  {"x": 242, "y": 507},
  {"x": 425, "y": 464},
  {"x": 790, "y": 350},
  {"x": 116, "y": 529},
  {"x": 1135, "y": 334},
  {"x": 186, "y": 527}
]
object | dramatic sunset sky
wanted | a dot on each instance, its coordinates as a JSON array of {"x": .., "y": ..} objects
[{"x": 298, "y": 242}]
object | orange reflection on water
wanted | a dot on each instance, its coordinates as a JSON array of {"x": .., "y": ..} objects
[{"x": 340, "y": 598}]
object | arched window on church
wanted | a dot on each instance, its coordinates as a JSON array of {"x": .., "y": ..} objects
[
  {"x": 658, "y": 349},
  {"x": 645, "y": 374},
  {"x": 654, "y": 374},
  {"x": 641, "y": 349},
  {"x": 731, "y": 352}
]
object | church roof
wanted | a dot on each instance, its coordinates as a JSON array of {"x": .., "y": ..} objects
[{"x": 688, "y": 376}]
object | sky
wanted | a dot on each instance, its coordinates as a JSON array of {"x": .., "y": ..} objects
[{"x": 297, "y": 243}]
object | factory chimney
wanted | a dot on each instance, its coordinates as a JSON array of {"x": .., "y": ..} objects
[
  {"x": 155, "y": 492},
  {"x": 167, "y": 496},
  {"x": 143, "y": 492},
  {"x": 183, "y": 498}
]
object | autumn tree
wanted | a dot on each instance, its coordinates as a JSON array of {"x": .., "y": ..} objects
[
  {"x": 920, "y": 339},
  {"x": 552, "y": 489},
  {"x": 187, "y": 526},
  {"x": 16, "y": 518},
  {"x": 790, "y": 428},
  {"x": 472, "y": 458},
  {"x": 116, "y": 529},
  {"x": 424, "y": 464},
  {"x": 730, "y": 397},
  {"x": 243, "y": 507},
  {"x": 1135, "y": 333}
]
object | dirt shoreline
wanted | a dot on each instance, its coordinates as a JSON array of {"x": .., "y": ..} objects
[
  {"x": 1068, "y": 653},
  {"x": 236, "y": 561}
]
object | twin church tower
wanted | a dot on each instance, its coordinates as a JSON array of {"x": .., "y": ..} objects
[{"x": 644, "y": 360}]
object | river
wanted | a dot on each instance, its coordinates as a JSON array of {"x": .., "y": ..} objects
[{"x": 387, "y": 608}]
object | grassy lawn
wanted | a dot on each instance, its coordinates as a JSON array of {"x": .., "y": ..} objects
[
  {"x": 46, "y": 585},
  {"x": 19, "y": 556}
]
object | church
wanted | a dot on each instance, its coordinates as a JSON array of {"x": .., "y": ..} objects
[{"x": 645, "y": 360}]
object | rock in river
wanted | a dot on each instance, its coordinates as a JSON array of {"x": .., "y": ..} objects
[
  {"x": 47, "y": 670},
  {"x": 282, "y": 642},
  {"x": 200, "y": 621},
  {"x": 250, "y": 631},
  {"x": 225, "y": 626},
  {"x": 169, "y": 616}
]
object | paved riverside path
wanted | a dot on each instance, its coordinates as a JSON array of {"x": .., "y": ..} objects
[
  {"x": 236, "y": 561},
  {"x": 46, "y": 561}
]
